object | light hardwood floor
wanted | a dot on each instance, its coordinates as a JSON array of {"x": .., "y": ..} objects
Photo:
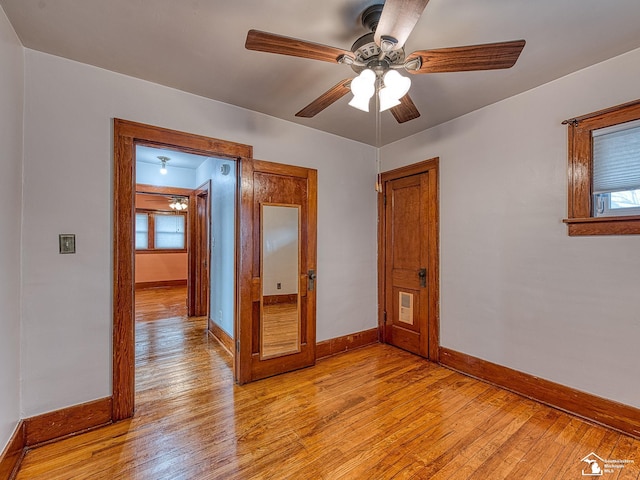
[{"x": 372, "y": 413}]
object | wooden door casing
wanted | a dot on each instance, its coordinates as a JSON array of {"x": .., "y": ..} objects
[
  {"x": 201, "y": 220},
  {"x": 126, "y": 135},
  {"x": 272, "y": 183},
  {"x": 408, "y": 242}
]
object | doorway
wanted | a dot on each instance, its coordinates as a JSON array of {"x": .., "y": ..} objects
[
  {"x": 408, "y": 262},
  {"x": 127, "y": 136}
]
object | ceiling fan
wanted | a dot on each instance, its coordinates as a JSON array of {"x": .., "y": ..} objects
[{"x": 382, "y": 51}]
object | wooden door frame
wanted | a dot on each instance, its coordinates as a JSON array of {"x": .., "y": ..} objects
[
  {"x": 126, "y": 135},
  {"x": 195, "y": 306},
  {"x": 433, "y": 250}
]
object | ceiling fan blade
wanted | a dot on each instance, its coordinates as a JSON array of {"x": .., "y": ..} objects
[
  {"x": 406, "y": 110},
  {"x": 398, "y": 19},
  {"x": 332, "y": 95},
  {"x": 273, "y": 43},
  {"x": 489, "y": 56}
]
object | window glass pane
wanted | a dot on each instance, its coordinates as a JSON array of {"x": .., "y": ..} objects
[
  {"x": 616, "y": 203},
  {"x": 142, "y": 231},
  {"x": 169, "y": 231},
  {"x": 626, "y": 199}
]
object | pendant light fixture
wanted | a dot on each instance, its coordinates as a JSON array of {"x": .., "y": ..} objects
[{"x": 163, "y": 161}]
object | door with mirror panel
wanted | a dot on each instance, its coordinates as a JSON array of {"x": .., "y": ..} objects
[{"x": 276, "y": 325}]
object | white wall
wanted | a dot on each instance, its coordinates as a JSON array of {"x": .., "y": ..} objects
[
  {"x": 223, "y": 247},
  {"x": 66, "y": 355},
  {"x": 11, "y": 116},
  {"x": 515, "y": 289}
]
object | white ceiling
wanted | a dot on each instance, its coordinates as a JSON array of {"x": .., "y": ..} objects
[
  {"x": 198, "y": 46},
  {"x": 177, "y": 159}
]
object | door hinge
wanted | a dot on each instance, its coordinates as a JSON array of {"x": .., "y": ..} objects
[
  {"x": 238, "y": 346},
  {"x": 384, "y": 200},
  {"x": 384, "y": 317}
]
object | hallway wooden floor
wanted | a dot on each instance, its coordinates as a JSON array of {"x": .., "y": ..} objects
[{"x": 373, "y": 413}]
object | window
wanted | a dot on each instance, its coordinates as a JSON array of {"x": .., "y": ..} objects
[
  {"x": 604, "y": 172},
  {"x": 142, "y": 231},
  {"x": 160, "y": 231},
  {"x": 169, "y": 231},
  {"x": 616, "y": 170}
]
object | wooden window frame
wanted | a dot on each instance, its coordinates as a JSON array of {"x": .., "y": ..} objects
[
  {"x": 152, "y": 232},
  {"x": 580, "y": 219}
]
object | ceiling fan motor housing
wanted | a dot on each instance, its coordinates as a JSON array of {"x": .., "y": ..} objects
[{"x": 366, "y": 51}]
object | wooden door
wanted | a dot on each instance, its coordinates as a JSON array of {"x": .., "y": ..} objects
[
  {"x": 410, "y": 260},
  {"x": 202, "y": 252},
  {"x": 276, "y": 327}
]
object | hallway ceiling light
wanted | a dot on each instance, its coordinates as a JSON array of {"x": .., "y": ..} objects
[{"x": 163, "y": 168}]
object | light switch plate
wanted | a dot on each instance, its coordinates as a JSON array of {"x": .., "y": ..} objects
[{"x": 67, "y": 243}]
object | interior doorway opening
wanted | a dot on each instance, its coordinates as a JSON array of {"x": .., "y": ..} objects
[
  {"x": 185, "y": 238},
  {"x": 178, "y": 245},
  {"x": 130, "y": 140}
]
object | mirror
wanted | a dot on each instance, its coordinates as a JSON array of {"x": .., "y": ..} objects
[{"x": 280, "y": 272}]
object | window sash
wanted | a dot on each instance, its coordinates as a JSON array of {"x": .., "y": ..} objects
[{"x": 142, "y": 231}]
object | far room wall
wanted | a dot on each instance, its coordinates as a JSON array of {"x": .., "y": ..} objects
[
  {"x": 155, "y": 268},
  {"x": 161, "y": 267}
]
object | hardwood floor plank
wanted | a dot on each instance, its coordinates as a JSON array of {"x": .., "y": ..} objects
[
  {"x": 627, "y": 449},
  {"x": 532, "y": 463},
  {"x": 372, "y": 413},
  {"x": 568, "y": 461}
]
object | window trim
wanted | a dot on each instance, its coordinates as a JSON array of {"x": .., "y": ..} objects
[
  {"x": 152, "y": 232},
  {"x": 580, "y": 219}
]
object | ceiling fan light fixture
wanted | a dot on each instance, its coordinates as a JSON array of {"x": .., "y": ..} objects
[
  {"x": 361, "y": 103},
  {"x": 387, "y": 100},
  {"x": 363, "y": 87},
  {"x": 178, "y": 203},
  {"x": 398, "y": 84},
  {"x": 395, "y": 87}
]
